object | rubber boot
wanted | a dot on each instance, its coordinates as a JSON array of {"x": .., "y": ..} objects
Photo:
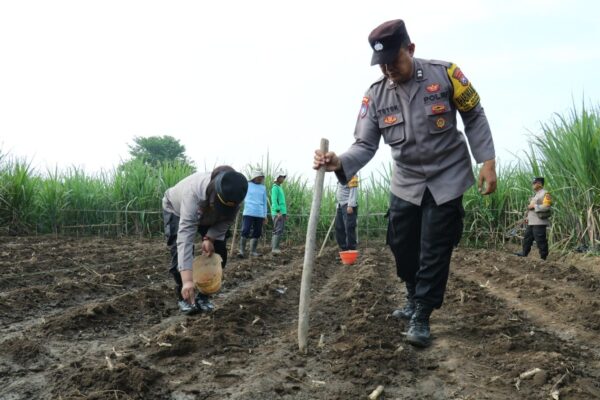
[
  {"x": 418, "y": 327},
  {"x": 275, "y": 244},
  {"x": 242, "y": 251},
  {"x": 408, "y": 310},
  {"x": 253, "y": 245}
]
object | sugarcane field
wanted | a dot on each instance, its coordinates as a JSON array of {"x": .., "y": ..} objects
[{"x": 89, "y": 310}]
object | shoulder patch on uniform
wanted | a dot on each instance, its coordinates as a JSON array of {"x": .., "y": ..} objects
[
  {"x": 353, "y": 182},
  {"x": 364, "y": 107},
  {"x": 465, "y": 96},
  {"x": 547, "y": 199}
]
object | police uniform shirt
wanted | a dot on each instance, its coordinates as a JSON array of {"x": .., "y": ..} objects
[
  {"x": 188, "y": 200},
  {"x": 542, "y": 201},
  {"x": 417, "y": 119},
  {"x": 347, "y": 195}
]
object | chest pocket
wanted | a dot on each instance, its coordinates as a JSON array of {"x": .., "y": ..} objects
[
  {"x": 439, "y": 117},
  {"x": 391, "y": 127}
]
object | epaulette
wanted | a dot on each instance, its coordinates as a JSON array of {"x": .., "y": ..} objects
[
  {"x": 439, "y": 62},
  {"x": 381, "y": 79}
]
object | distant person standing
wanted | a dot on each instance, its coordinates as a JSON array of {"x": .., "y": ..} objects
[
  {"x": 278, "y": 210},
  {"x": 204, "y": 202},
  {"x": 346, "y": 214},
  {"x": 537, "y": 218},
  {"x": 414, "y": 107},
  {"x": 255, "y": 213}
]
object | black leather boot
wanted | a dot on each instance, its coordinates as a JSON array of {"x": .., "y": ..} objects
[
  {"x": 418, "y": 327},
  {"x": 408, "y": 310}
]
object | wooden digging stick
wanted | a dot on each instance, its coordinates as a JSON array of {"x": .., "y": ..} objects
[{"x": 309, "y": 254}]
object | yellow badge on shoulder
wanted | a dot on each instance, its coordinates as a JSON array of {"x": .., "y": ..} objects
[
  {"x": 465, "y": 97},
  {"x": 353, "y": 182}
]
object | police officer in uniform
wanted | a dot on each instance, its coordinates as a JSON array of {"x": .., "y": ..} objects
[
  {"x": 346, "y": 214},
  {"x": 207, "y": 203},
  {"x": 413, "y": 107},
  {"x": 537, "y": 219}
]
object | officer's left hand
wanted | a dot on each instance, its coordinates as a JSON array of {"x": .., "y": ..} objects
[
  {"x": 208, "y": 247},
  {"x": 487, "y": 175},
  {"x": 349, "y": 210}
]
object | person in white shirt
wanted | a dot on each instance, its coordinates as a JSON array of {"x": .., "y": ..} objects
[{"x": 204, "y": 202}]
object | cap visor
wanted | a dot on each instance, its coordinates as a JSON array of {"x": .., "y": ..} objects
[{"x": 384, "y": 57}]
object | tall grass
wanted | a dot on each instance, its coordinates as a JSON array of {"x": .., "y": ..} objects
[
  {"x": 127, "y": 200},
  {"x": 17, "y": 196},
  {"x": 567, "y": 154}
]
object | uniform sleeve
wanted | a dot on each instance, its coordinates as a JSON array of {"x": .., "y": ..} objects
[
  {"x": 353, "y": 197},
  {"x": 218, "y": 230},
  {"x": 467, "y": 102},
  {"x": 188, "y": 225},
  {"x": 366, "y": 141}
]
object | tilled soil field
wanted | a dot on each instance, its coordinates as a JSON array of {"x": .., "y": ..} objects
[{"x": 96, "y": 319}]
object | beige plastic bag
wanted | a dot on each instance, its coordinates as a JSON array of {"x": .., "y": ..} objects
[{"x": 207, "y": 273}]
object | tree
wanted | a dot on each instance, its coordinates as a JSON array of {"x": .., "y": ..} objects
[{"x": 154, "y": 150}]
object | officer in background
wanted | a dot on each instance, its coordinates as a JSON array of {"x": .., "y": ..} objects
[
  {"x": 413, "y": 107},
  {"x": 346, "y": 214},
  {"x": 537, "y": 218}
]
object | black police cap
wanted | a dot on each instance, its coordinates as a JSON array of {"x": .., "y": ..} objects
[
  {"x": 231, "y": 187},
  {"x": 539, "y": 179},
  {"x": 386, "y": 40}
]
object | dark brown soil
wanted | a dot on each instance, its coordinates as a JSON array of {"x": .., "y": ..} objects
[{"x": 96, "y": 319}]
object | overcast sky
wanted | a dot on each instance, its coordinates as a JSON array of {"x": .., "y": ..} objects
[{"x": 237, "y": 80}]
